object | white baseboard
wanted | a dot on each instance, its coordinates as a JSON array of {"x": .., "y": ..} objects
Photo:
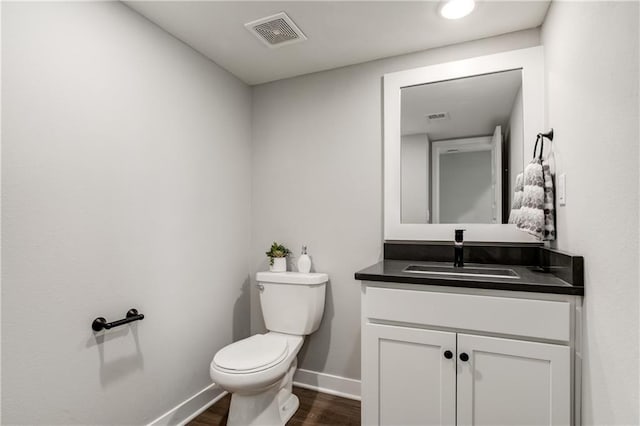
[
  {"x": 189, "y": 409},
  {"x": 327, "y": 383}
]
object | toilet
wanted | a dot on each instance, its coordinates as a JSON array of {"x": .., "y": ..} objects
[{"x": 258, "y": 371}]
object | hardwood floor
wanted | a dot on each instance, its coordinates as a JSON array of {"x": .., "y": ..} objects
[{"x": 315, "y": 409}]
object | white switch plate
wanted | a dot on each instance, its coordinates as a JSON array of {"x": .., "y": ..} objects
[{"x": 562, "y": 189}]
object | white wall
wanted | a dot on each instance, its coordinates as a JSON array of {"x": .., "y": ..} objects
[
  {"x": 591, "y": 59},
  {"x": 414, "y": 169},
  {"x": 317, "y": 180},
  {"x": 126, "y": 162}
]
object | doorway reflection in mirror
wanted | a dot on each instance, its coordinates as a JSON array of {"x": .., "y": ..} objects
[{"x": 461, "y": 148}]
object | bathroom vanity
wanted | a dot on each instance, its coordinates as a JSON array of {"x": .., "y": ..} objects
[
  {"x": 498, "y": 340},
  {"x": 458, "y": 348}
]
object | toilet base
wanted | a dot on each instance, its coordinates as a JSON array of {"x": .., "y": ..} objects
[
  {"x": 289, "y": 408},
  {"x": 273, "y": 406}
]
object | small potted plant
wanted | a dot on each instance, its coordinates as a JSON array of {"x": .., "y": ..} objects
[{"x": 277, "y": 255}]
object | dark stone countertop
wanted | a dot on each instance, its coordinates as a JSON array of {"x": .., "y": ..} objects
[{"x": 531, "y": 278}]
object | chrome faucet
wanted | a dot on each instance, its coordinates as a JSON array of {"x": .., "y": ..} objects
[{"x": 458, "y": 256}]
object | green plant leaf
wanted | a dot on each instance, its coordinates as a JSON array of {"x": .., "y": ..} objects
[{"x": 277, "y": 250}]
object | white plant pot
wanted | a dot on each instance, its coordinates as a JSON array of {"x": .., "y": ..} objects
[{"x": 279, "y": 264}]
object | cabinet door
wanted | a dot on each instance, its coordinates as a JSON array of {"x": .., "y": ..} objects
[
  {"x": 406, "y": 378},
  {"x": 511, "y": 382}
]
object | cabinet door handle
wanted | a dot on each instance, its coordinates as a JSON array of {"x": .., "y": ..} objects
[
  {"x": 464, "y": 357},
  {"x": 448, "y": 354}
]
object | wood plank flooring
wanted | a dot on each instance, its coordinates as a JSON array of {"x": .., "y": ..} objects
[{"x": 315, "y": 409}]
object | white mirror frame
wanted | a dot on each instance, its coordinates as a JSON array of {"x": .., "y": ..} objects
[{"x": 531, "y": 61}]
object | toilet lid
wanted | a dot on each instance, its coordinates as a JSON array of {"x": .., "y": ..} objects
[{"x": 253, "y": 353}]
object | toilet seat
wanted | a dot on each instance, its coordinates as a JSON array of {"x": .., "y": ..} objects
[{"x": 253, "y": 354}]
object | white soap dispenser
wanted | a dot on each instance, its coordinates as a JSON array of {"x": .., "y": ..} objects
[{"x": 304, "y": 261}]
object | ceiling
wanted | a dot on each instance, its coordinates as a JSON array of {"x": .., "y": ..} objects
[
  {"x": 339, "y": 33},
  {"x": 475, "y": 105}
]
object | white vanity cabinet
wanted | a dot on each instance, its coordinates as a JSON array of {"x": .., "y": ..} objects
[
  {"x": 446, "y": 356},
  {"x": 406, "y": 379}
]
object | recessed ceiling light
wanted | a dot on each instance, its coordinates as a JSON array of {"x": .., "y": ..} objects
[{"x": 456, "y": 9}]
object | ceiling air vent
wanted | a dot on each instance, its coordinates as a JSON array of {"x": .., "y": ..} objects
[
  {"x": 438, "y": 116},
  {"x": 276, "y": 30}
]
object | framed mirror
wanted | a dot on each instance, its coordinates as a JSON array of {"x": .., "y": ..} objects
[{"x": 456, "y": 135}]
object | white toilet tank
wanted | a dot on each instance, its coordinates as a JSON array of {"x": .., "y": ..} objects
[{"x": 292, "y": 302}]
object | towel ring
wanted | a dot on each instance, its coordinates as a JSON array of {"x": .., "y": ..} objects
[{"x": 548, "y": 135}]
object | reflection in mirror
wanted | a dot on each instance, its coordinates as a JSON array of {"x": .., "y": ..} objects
[{"x": 461, "y": 148}]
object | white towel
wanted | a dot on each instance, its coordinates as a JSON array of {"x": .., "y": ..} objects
[
  {"x": 531, "y": 217},
  {"x": 549, "y": 205},
  {"x": 537, "y": 214},
  {"x": 516, "y": 204}
]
